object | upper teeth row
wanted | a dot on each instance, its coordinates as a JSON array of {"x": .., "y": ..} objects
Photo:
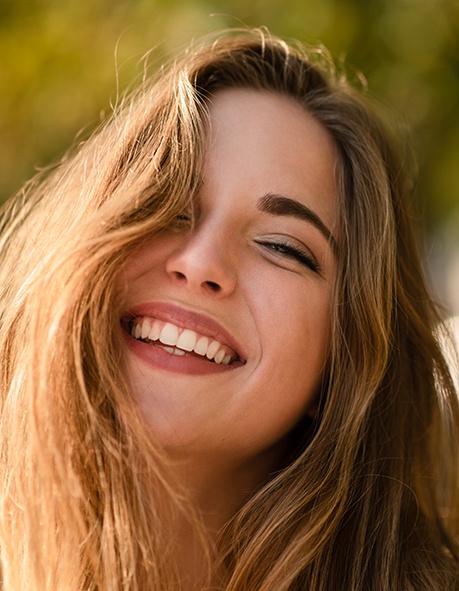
[{"x": 182, "y": 338}]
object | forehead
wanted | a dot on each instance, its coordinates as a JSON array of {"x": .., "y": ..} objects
[{"x": 274, "y": 145}]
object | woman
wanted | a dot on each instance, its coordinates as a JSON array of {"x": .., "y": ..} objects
[{"x": 219, "y": 362}]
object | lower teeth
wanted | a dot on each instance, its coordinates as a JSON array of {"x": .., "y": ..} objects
[{"x": 172, "y": 350}]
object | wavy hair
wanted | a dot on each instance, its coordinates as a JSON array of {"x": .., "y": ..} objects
[{"x": 369, "y": 500}]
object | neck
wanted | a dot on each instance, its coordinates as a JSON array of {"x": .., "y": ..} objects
[{"x": 219, "y": 489}]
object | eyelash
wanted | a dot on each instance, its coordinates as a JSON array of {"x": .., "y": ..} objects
[
  {"x": 181, "y": 221},
  {"x": 293, "y": 252}
]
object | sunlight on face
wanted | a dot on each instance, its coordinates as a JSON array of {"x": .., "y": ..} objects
[{"x": 227, "y": 324}]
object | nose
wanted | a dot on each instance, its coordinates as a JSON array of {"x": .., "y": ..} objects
[{"x": 202, "y": 264}]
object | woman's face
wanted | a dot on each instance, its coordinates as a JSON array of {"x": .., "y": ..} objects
[{"x": 249, "y": 286}]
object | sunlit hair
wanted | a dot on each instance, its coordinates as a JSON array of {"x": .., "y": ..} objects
[{"x": 369, "y": 500}]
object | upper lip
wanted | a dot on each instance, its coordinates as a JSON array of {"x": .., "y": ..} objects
[{"x": 183, "y": 317}]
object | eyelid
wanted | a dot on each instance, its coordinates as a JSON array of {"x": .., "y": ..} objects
[
  {"x": 293, "y": 249},
  {"x": 183, "y": 220}
]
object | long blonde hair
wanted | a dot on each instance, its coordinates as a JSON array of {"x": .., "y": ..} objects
[{"x": 369, "y": 498}]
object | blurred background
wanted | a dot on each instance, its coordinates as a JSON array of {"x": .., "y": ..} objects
[{"x": 63, "y": 63}]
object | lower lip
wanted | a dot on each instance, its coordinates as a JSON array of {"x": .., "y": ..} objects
[{"x": 184, "y": 364}]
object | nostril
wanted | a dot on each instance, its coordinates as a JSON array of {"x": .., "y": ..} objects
[
  {"x": 213, "y": 286},
  {"x": 179, "y": 275}
]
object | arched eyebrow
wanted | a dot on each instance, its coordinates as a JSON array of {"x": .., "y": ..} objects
[{"x": 281, "y": 205}]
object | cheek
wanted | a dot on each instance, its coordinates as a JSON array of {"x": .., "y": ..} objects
[
  {"x": 296, "y": 337},
  {"x": 304, "y": 336},
  {"x": 298, "y": 323},
  {"x": 145, "y": 258}
]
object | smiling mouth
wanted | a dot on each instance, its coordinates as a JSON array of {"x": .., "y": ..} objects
[{"x": 179, "y": 341}]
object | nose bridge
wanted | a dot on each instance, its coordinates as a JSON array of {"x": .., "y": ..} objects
[{"x": 202, "y": 260}]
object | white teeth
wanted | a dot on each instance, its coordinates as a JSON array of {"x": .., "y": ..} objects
[
  {"x": 178, "y": 343},
  {"x": 201, "y": 346},
  {"x": 219, "y": 356},
  {"x": 169, "y": 334},
  {"x": 170, "y": 350},
  {"x": 187, "y": 340},
  {"x": 155, "y": 331},
  {"x": 213, "y": 348},
  {"x": 146, "y": 327}
]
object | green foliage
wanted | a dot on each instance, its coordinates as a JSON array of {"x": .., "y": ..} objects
[{"x": 63, "y": 62}]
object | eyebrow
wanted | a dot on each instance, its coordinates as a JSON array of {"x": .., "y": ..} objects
[{"x": 281, "y": 205}]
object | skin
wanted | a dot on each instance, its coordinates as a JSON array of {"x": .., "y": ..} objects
[{"x": 231, "y": 424}]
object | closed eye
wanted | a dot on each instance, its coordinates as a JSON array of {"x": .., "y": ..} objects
[
  {"x": 292, "y": 252},
  {"x": 182, "y": 221}
]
